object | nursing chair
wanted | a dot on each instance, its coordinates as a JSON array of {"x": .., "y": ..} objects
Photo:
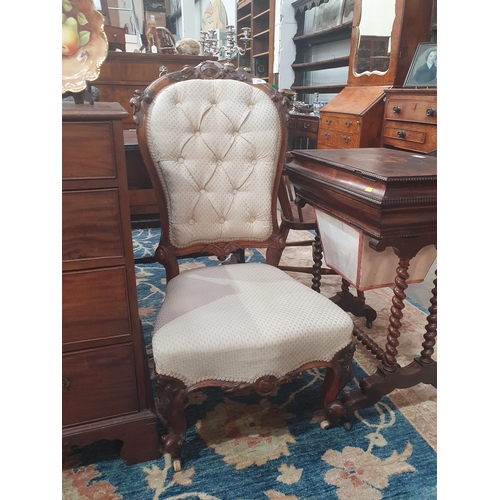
[{"x": 213, "y": 141}]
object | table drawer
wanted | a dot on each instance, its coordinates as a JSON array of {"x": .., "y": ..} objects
[
  {"x": 344, "y": 123},
  {"x": 98, "y": 383},
  {"x": 424, "y": 111},
  {"x": 303, "y": 124},
  {"x": 95, "y": 305},
  {"x": 413, "y": 136},
  {"x": 115, "y": 35},
  {"x": 88, "y": 151},
  {"x": 91, "y": 225},
  {"x": 337, "y": 140}
]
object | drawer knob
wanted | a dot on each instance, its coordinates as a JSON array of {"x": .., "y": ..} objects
[
  {"x": 430, "y": 111},
  {"x": 327, "y": 135},
  {"x": 65, "y": 384},
  {"x": 396, "y": 109},
  {"x": 401, "y": 134},
  {"x": 328, "y": 120},
  {"x": 346, "y": 139},
  {"x": 163, "y": 70},
  {"x": 347, "y": 124},
  {"x": 307, "y": 124}
]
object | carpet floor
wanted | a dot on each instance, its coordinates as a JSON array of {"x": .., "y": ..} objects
[{"x": 247, "y": 448}]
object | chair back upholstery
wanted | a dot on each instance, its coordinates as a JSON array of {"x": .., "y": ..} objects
[{"x": 213, "y": 141}]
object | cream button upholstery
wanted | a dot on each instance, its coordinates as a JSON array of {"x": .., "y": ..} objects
[{"x": 202, "y": 191}]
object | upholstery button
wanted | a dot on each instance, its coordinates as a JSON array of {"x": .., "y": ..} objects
[
  {"x": 254, "y": 162},
  {"x": 202, "y": 191},
  {"x": 179, "y": 104},
  {"x": 219, "y": 162},
  {"x": 180, "y": 160},
  {"x": 222, "y": 220},
  {"x": 235, "y": 133},
  {"x": 235, "y": 191},
  {"x": 252, "y": 219},
  {"x": 197, "y": 132},
  {"x": 191, "y": 221}
]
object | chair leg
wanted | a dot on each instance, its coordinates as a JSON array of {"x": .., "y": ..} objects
[
  {"x": 172, "y": 393},
  {"x": 338, "y": 375}
]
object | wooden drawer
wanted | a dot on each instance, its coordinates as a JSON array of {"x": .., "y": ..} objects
[
  {"x": 423, "y": 110},
  {"x": 95, "y": 305},
  {"x": 98, "y": 383},
  {"x": 335, "y": 139},
  {"x": 413, "y": 136},
  {"x": 115, "y": 36},
  {"x": 344, "y": 123},
  {"x": 91, "y": 225},
  {"x": 88, "y": 151},
  {"x": 300, "y": 124}
]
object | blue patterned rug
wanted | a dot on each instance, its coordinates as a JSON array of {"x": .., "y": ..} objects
[{"x": 248, "y": 448}]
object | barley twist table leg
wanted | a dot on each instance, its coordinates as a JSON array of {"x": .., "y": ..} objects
[
  {"x": 431, "y": 329},
  {"x": 390, "y": 361}
]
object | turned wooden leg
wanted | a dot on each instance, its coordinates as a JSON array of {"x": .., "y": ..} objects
[
  {"x": 391, "y": 351},
  {"x": 172, "y": 393},
  {"x": 431, "y": 329},
  {"x": 338, "y": 375},
  {"x": 318, "y": 262},
  {"x": 355, "y": 305}
]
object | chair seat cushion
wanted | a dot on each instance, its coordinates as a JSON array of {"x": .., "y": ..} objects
[{"x": 240, "y": 322}]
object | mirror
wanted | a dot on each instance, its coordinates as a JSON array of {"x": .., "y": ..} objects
[{"x": 373, "y": 50}]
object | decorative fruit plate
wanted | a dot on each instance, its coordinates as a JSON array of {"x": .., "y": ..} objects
[{"x": 84, "y": 44}]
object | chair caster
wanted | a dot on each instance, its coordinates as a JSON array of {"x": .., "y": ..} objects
[
  {"x": 368, "y": 323},
  {"x": 325, "y": 424},
  {"x": 347, "y": 425},
  {"x": 177, "y": 465}
]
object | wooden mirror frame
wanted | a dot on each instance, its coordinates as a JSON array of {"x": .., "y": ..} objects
[{"x": 411, "y": 27}]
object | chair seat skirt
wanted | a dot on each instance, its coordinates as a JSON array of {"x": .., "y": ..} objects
[{"x": 240, "y": 322}]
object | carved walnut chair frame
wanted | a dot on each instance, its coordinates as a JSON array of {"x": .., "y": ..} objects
[{"x": 172, "y": 392}]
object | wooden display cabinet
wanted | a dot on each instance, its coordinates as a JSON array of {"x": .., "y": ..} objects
[{"x": 258, "y": 15}]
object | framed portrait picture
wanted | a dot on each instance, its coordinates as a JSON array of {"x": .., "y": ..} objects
[{"x": 423, "y": 69}]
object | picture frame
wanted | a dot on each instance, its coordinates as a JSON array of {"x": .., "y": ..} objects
[
  {"x": 423, "y": 68},
  {"x": 328, "y": 15}
]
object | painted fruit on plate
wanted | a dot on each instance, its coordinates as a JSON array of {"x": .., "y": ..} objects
[{"x": 84, "y": 44}]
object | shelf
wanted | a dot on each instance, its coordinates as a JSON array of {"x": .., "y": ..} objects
[
  {"x": 328, "y": 35},
  {"x": 243, "y": 3},
  {"x": 262, "y": 33},
  {"x": 260, "y": 14},
  {"x": 321, "y": 89},
  {"x": 247, "y": 17},
  {"x": 338, "y": 62},
  {"x": 261, "y": 54}
]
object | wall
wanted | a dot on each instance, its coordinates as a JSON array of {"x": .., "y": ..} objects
[{"x": 285, "y": 28}]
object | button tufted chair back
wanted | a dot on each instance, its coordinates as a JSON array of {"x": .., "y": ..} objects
[
  {"x": 213, "y": 141},
  {"x": 214, "y": 144}
]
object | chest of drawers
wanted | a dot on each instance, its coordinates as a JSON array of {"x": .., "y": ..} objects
[
  {"x": 352, "y": 119},
  {"x": 107, "y": 392},
  {"x": 410, "y": 120}
]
